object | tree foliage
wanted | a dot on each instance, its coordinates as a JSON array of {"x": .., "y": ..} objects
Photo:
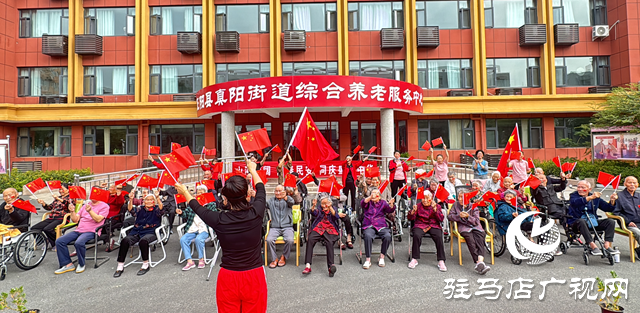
[{"x": 621, "y": 109}]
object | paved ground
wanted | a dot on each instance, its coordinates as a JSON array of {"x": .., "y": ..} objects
[{"x": 394, "y": 288}]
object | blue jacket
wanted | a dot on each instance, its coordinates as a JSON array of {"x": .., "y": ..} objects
[
  {"x": 578, "y": 204},
  {"x": 146, "y": 221},
  {"x": 504, "y": 216}
]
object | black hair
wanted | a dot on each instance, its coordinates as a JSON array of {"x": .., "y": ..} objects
[
  {"x": 235, "y": 190},
  {"x": 396, "y": 151},
  {"x": 478, "y": 151}
]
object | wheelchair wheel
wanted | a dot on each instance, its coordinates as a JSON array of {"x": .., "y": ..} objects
[
  {"x": 3, "y": 272},
  {"x": 585, "y": 257},
  {"x": 551, "y": 259},
  {"x": 499, "y": 245},
  {"x": 564, "y": 247},
  {"x": 611, "y": 260},
  {"x": 516, "y": 261},
  {"x": 30, "y": 250}
]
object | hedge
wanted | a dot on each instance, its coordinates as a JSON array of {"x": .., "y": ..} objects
[
  {"x": 19, "y": 179},
  {"x": 586, "y": 169}
]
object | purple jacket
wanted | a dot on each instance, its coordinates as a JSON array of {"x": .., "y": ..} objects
[
  {"x": 373, "y": 214},
  {"x": 427, "y": 217}
]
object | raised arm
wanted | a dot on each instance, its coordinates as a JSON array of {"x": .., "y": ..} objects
[{"x": 446, "y": 153}]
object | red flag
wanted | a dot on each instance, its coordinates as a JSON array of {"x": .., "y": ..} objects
[
  {"x": 36, "y": 185},
  {"x": 420, "y": 164},
  {"x": 357, "y": 149},
  {"x": 605, "y": 179},
  {"x": 468, "y": 196},
  {"x": 154, "y": 149},
  {"x": 290, "y": 181},
  {"x": 467, "y": 153},
  {"x": 515, "y": 155},
  {"x": 556, "y": 160},
  {"x": 326, "y": 186},
  {"x": 276, "y": 148},
  {"x": 307, "y": 179},
  {"x": 426, "y": 145},
  {"x": 372, "y": 171},
  {"x": 430, "y": 173},
  {"x": 263, "y": 176},
  {"x": 147, "y": 181},
  {"x": 178, "y": 160},
  {"x": 335, "y": 181},
  {"x": 335, "y": 190},
  {"x": 512, "y": 145},
  {"x": 383, "y": 186},
  {"x": 436, "y": 142},
  {"x": 180, "y": 198},
  {"x": 410, "y": 159},
  {"x": 24, "y": 205},
  {"x": 616, "y": 182},
  {"x": 514, "y": 201},
  {"x": 373, "y": 149},
  {"x": 569, "y": 167},
  {"x": 175, "y": 146},
  {"x": 234, "y": 173},
  {"x": 126, "y": 180},
  {"x": 99, "y": 194},
  {"x": 491, "y": 196},
  {"x": 401, "y": 190},
  {"x": 420, "y": 193},
  {"x": 206, "y": 151},
  {"x": 530, "y": 162},
  {"x": 166, "y": 179},
  {"x": 421, "y": 175},
  {"x": 314, "y": 148},
  {"x": 532, "y": 181},
  {"x": 54, "y": 184},
  {"x": 77, "y": 192},
  {"x": 217, "y": 168},
  {"x": 255, "y": 140},
  {"x": 210, "y": 184},
  {"x": 441, "y": 193},
  {"x": 205, "y": 198}
]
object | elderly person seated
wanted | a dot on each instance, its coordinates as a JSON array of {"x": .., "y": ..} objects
[
  {"x": 583, "y": 201},
  {"x": 428, "y": 217},
  {"x": 91, "y": 216},
  {"x": 493, "y": 184},
  {"x": 506, "y": 212},
  {"x": 195, "y": 229},
  {"x": 546, "y": 195},
  {"x": 116, "y": 199},
  {"x": 58, "y": 208},
  {"x": 627, "y": 206},
  {"x": 470, "y": 227},
  {"x": 280, "y": 207},
  {"x": 294, "y": 194},
  {"x": 11, "y": 216},
  {"x": 509, "y": 185},
  {"x": 374, "y": 209},
  {"x": 324, "y": 227},
  {"x": 450, "y": 185},
  {"x": 375, "y": 184},
  {"x": 148, "y": 218}
]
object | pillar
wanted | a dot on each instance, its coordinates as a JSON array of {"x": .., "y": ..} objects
[
  {"x": 228, "y": 125},
  {"x": 387, "y": 143}
]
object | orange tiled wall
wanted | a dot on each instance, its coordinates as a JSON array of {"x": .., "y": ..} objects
[
  {"x": 8, "y": 35},
  {"x": 365, "y": 45},
  {"x": 254, "y": 48},
  {"x": 321, "y": 46}
]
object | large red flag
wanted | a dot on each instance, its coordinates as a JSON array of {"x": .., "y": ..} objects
[
  {"x": 36, "y": 185},
  {"x": 314, "y": 148},
  {"x": 512, "y": 145},
  {"x": 255, "y": 140},
  {"x": 24, "y": 205},
  {"x": 99, "y": 194},
  {"x": 178, "y": 160},
  {"x": 77, "y": 192}
]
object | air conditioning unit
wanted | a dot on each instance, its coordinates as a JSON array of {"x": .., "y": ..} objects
[{"x": 600, "y": 31}]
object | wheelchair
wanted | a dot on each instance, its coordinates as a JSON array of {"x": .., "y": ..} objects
[
  {"x": 360, "y": 234},
  {"x": 573, "y": 239},
  {"x": 425, "y": 235},
  {"x": 26, "y": 250}
]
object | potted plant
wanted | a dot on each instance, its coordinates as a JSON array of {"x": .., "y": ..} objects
[
  {"x": 17, "y": 298},
  {"x": 609, "y": 304}
]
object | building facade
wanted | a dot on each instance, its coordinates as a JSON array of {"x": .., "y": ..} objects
[{"x": 92, "y": 83}]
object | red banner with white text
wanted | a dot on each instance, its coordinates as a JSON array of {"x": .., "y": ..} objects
[{"x": 326, "y": 169}]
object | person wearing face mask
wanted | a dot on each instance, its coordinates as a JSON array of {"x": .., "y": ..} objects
[
  {"x": 148, "y": 218},
  {"x": 374, "y": 223},
  {"x": 11, "y": 216},
  {"x": 324, "y": 228},
  {"x": 470, "y": 227},
  {"x": 58, "y": 208},
  {"x": 427, "y": 217},
  {"x": 628, "y": 206},
  {"x": 397, "y": 173}
]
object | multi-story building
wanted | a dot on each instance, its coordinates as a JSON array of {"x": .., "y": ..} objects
[{"x": 91, "y": 83}]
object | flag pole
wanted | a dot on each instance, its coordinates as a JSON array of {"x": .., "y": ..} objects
[
  {"x": 25, "y": 186},
  {"x": 50, "y": 189},
  {"x": 296, "y": 131},
  {"x": 168, "y": 171},
  {"x": 240, "y": 143}
]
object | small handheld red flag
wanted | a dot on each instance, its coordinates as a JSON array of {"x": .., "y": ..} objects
[
  {"x": 411, "y": 158},
  {"x": 491, "y": 196},
  {"x": 467, "y": 153},
  {"x": 263, "y": 176},
  {"x": 206, "y": 151},
  {"x": 255, "y": 140},
  {"x": 357, "y": 149},
  {"x": 515, "y": 155},
  {"x": 126, "y": 180},
  {"x": 180, "y": 198},
  {"x": 276, "y": 148},
  {"x": 326, "y": 186},
  {"x": 419, "y": 164},
  {"x": 217, "y": 168},
  {"x": 383, "y": 186},
  {"x": 373, "y": 149},
  {"x": 290, "y": 181},
  {"x": 54, "y": 184},
  {"x": 530, "y": 162},
  {"x": 605, "y": 178},
  {"x": 430, "y": 173},
  {"x": 178, "y": 160},
  {"x": 468, "y": 196},
  {"x": 514, "y": 201},
  {"x": 442, "y": 194},
  {"x": 24, "y": 205},
  {"x": 307, "y": 179},
  {"x": 99, "y": 194},
  {"x": 556, "y": 161},
  {"x": 616, "y": 182},
  {"x": 205, "y": 198},
  {"x": 77, "y": 192},
  {"x": 147, "y": 181},
  {"x": 401, "y": 190},
  {"x": 426, "y": 145},
  {"x": 154, "y": 149},
  {"x": 436, "y": 142},
  {"x": 210, "y": 184},
  {"x": 420, "y": 193},
  {"x": 372, "y": 172},
  {"x": 36, "y": 185},
  {"x": 569, "y": 167},
  {"x": 532, "y": 181}
]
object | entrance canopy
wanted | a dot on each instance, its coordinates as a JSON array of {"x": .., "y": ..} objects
[{"x": 292, "y": 93}]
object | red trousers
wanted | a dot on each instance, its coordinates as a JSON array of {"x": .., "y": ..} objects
[{"x": 244, "y": 291}]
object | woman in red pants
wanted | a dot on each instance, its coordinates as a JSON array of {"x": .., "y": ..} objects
[{"x": 242, "y": 285}]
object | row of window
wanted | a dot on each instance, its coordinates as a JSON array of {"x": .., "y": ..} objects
[
  {"x": 456, "y": 134},
  {"x": 311, "y": 17},
  {"x": 432, "y": 74}
]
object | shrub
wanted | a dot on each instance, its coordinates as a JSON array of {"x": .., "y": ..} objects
[
  {"x": 19, "y": 179},
  {"x": 586, "y": 169}
]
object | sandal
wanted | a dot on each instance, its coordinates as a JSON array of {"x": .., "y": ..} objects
[{"x": 349, "y": 245}]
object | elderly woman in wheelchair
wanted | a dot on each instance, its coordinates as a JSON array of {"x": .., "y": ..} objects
[
  {"x": 427, "y": 218},
  {"x": 374, "y": 223},
  {"x": 324, "y": 228},
  {"x": 195, "y": 229},
  {"x": 470, "y": 227}
]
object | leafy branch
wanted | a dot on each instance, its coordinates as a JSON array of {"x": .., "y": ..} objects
[{"x": 16, "y": 297}]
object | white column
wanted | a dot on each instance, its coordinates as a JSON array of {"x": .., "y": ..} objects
[
  {"x": 227, "y": 127},
  {"x": 387, "y": 140}
]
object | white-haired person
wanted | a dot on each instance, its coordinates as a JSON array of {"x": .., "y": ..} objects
[
  {"x": 494, "y": 183},
  {"x": 195, "y": 229},
  {"x": 450, "y": 185},
  {"x": 427, "y": 217},
  {"x": 627, "y": 206},
  {"x": 374, "y": 209},
  {"x": 470, "y": 227},
  {"x": 324, "y": 228},
  {"x": 148, "y": 218}
]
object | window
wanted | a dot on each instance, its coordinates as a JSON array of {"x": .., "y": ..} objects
[
  {"x": 567, "y": 127},
  {"x": 375, "y": 15},
  {"x": 110, "y": 140},
  {"x": 444, "y": 14},
  {"x": 445, "y": 74},
  {"x": 109, "y": 80},
  {"x": 35, "y": 23},
  {"x": 191, "y": 135},
  {"x": 237, "y": 71},
  {"x": 365, "y": 134},
  {"x": 401, "y": 136},
  {"x": 288, "y": 129},
  {"x": 171, "y": 20},
  {"x": 311, "y": 17},
  {"x": 381, "y": 69},
  {"x": 110, "y": 21},
  {"x": 579, "y": 71},
  {"x": 176, "y": 79},
  {"x": 499, "y": 131},
  {"x": 509, "y": 13},
  {"x": 456, "y": 134},
  {"x": 583, "y": 12},
  {"x": 331, "y": 133},
  {"x": 522, "y": 72},
  {"x": 44, "y": 141},
  {"x": 244, "y": 19},
  {"x": 42, "y": 81},
  {"x": 310, "y": 68}
]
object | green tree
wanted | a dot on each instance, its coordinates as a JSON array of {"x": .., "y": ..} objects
[{"x": 622, "y": 108}]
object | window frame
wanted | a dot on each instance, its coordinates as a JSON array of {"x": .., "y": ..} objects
[
  {"x": 223, "y": 18},
  {"x": 156, "y": 78},
  {"x": 327, "y": 18},
  {"x": 465, "y": 72},
  {"x": 463, "y": 14},
  {"x": 601, "y": 71},
  {"x": 129, "y": 134},
  {"x": 28, "y": 142},
  {"x": 530, "y": 69},
  {"x": 397, "y": 16},
  {"x": 598, "y": 9},
  {"x": 527, "y": 8},
  {"x": 565, "y": 131},
  {"x": 24, "y": 82},
  {"x": 494, "y": 128},
  {"x": 225, "y": 71},
  {"x": 158, "y": 136},
  {"x": 397, "y": 73},
  {"x": 463, "y": 131},
  {"x": 155, "y": 20},
  {"x": 326, "y": 68},
  {"x": 92, "y": 87}
]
